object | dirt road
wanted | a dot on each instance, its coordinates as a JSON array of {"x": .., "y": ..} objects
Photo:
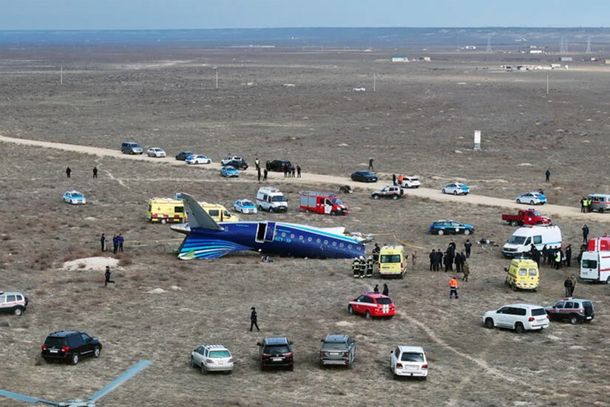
[{"x": 311, "y": 178}]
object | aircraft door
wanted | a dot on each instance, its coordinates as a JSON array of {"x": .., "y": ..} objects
[{"x": 270, "y": 232}]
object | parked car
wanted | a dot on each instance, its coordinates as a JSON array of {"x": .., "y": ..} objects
[
  {"x": 74, "y": 198},
  {"x": 198, "y": 159},
  {"x": 372, "y": 305},
  {"x": 364, "y": 176},
  {"x": 456, "y": 188},
  {"x": 131, "y": 147},
  {"x": 411, "y": 182},
  {"x": 229, "y": 172},
  {"x": 526, "y": 217},
  {"x": 156, "y": 152},
  {"x": 389, "y": 191},
  {"x": 244, "y": 206},
  {"x": 212, "y": 358},
  {"x": 277, "y": 165},
  {"x": 599, "y": 202},
  {"x": 13, "y": 302},
  {"x": 574, "y": 310},
  {"x": 70, "y": 346},
  {"x": 338, "y": 350},
  {"x": 520, "y": 317},
  {"x": 442, "y": 227},
  {"x": 276, "y": 352},
  {"x": 532, "y": 198},
  {"x": 183, "y": 155},
  {"x": 235, "y": 161},
  {"x": 409, "y": 361}
]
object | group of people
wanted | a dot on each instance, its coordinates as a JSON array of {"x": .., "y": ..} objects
[
  {"x": 117, "y": 243},
  {"x": 569, "y": 285},
  {"x": 291, "y": 170},
  {"x": 362, "y": 267},
  {"x": 555, "y": 257},
  {"x": 69, "y": 172},
  {"x": 386, "y": 290},
  {"x": 257, "y": 164},
  {"x": 585, "y": 204},
  {"x": 450, "y": 257}
]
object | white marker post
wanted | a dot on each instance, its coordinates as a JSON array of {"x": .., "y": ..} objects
[{"x": 477, "y": 140}]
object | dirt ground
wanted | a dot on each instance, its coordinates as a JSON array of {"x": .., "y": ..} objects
[{"x": 418, "y": 117}]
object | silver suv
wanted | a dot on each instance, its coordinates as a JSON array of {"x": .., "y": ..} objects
[
  {"x": 574, "y": 310},
  {"x": 13, "y": 302},
  {"x": 338, "y": 350}
]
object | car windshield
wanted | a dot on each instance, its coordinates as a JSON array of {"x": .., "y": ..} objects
[
  {"x": 337, "y": 201},
  {"x": 536, "y": 213},
  {"x": 384, "y": 300},
  {"x": 334, "y": 345},
  {"x": 276, "y": 349},
  {"x": 278, "y": 198},
  {"x": 538, "y": 311},
  {"x": 219, "y": 354},
  {"x": 390, "y": 258},
  {"x": 533, "y": 272},
  {"x": 516, "y": 239},
  {"x": 247, "y": 204},
  {"x": 412, "y": 357},
  {"x": 54, "y": 342}
]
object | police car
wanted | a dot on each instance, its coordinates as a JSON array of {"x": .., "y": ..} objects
[
  {"x": 244, "y": 206},
  {"x": 74, "y": 198},
  {"x": 13, "y": 302},
  {"x": 212, "y": 358}
]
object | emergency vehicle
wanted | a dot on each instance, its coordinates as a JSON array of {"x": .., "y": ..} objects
[
  {"x": 372, "y": 305},
  {"x": 595, "y": 262},
  {"x": 169, "y": 210},
  {"x": 322, "y": 202},
  {"x": 392, "y": 261}
]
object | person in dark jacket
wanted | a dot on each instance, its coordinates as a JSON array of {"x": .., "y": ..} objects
[
  {"x": 265, "y": 173},
  {"x": 298, "y": 171},
  {"x": 432, "y": 256},
  {"x": 585, "y": 233},
  {"x": 568, "y": 287},
  {"x": 68, "y": 172},
  {"x": 468, "y": 248},
  {"x": 535, "y": 254},
  {"x": 107, "y": 277},
  {"x": 568, "y": 255},
  {"x": 548, "y": 175},
  {"x": 376, "y": 251},
  {"x": 376, "y": 289},
  {"x": 439, "y": 260},
  {"x": 103, "y": 242},
  {"x": 460, "y": 258},
  {"x": 386, "y": 290},
  {"x": 253, "y": 319},
  {"x": 94, "y": 172},
  {"x": 115, "y": 244}
]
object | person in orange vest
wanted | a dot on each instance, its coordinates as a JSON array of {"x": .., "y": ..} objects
[{"x": 453, "y": 288}]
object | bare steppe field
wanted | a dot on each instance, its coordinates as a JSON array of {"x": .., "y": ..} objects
[{"x": 418, "y": 117}]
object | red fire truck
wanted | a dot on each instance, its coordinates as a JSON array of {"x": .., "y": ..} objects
[{"x": 322, "y": 202}]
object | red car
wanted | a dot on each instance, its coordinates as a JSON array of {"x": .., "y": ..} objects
[{"x": 372, "y": 305}]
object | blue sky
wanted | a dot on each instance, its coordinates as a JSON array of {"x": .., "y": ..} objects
[{"x": 168, "y": 14}]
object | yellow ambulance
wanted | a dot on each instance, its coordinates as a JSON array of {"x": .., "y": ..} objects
[
  {"x": 392, "y": 261},
  {"x": 169, "y": 210},
  {"x": 522, "y": 274}
]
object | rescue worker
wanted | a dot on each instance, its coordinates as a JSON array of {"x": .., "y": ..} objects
[
  {"x": 568, "y": 287},
  {"x": 376, "y": 289},
  {"x": 103, "y": 242},
  {"x": 558, "y": 259},
  {"x": 386, "y": 290},
  {"x": 376, "y": 251},
  {"x": 94, "y": 172},
  {"x": 257, "y": 163},
  {"x": 432, "y": 256},
  {"x": 68, "y": 172},
  {"x": 439, "y": 260},
  {"x": 369, "y": 266},
  {"x": 468, "y": 248},
  {"x": 568, "y": 255},
  {"x": 548, "y": 175},
  {"x": 401, "y": 179},
  {"x": 583, "y": 204},
  {"x": 371, "y": 164},
  {"x": 253, "y": 319},
  {"x": 453, "y": 288},
  {"x": 466, "y": 268},
  {"x": 585, "y": 233},
  {"x": 356, "y": 267},
  {"x": 589, "y": 202},
  {"x": 107, "y": 277}
]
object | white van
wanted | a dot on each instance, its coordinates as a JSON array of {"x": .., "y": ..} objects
[
  {"x": 271, "y": 199},
  {"x": 599, "y": 202},
  {"x": 522, "y": 239},
  {"x": 595, "y": 262}
]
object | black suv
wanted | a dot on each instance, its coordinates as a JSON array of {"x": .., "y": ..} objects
[
  {"x": 276, "y": 352},
  {"x": 70, "y": 346},
  {"x": 278, "y": 165}
]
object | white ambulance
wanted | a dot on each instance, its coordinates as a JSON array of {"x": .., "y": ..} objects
[
  {"x": 271, "y": 199},
  {"x": 522, "y": 239},
  {"x": 595, "y": 262}
]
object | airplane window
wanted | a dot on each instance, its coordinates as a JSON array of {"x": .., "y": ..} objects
[
  {"x": 334, "y": 243},
  {"x": 326, "y": 242},
  {"x": 341, "y": 245},
  {"x": 283, "y": 234},
  {"x": 301, "y": 237},
  {"x": 292, "y": 235},
  {"x": 349, "y": 246},
  {"x": 309, "y": 239},
  {"x": 318, "y": 240}
]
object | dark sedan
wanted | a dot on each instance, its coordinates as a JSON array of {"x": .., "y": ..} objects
[
  {"x": 183, "y": 155},
  {"x": 442, "y": 227},
  {"x": 364, "y": 176}
]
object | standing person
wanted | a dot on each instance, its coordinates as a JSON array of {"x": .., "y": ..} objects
[
  {"x": 386, "y": 290},
  {"x": 568, "y": 255},
  {"x": 582, "y": 204},
  {"x": 265, "y": 172},
  {"x": 103, "y": 242},
  {"x": 545, "y": 254},
  {"x": 558, "y": 259},
  {"x": 115, "y": 244},
  {"x": 468, "y": 248},
  {"x": 68, "y": 172},
  {"x": 285, "y": 168},
  {"x": 394, "y": 179},
  {"x": 94, "y": 172},
  {"x": 535, "y": 254},
  {"x": 257, "y": 163},
  {"x": 453, "y": 288},
  {"x": 460, "y": 258},
  {"x": 466, "y": 268},
  {"x": 573, "y": 279},
  {"x": 401, "y": 179},
  {"x": 371, "y": 164},
  {"x": 253, "y": 319},
  {"x": 568, "y": 287},
  {"x": 258, "y": 173},
  {"x": 414, "y": 260},
  {"x": 298, "y": 171},
  {"x": 585, "y": 233},
  {"x": 120, "y": 241},
  {"x": 432, "y": 256},
  {"x": 107, "y": 277},
  {"x": 548, "y": 175},
  {"x": 376, "y": 251},
  {"x": 376, "y": 289},
  {"x": 439, "y": 259}
]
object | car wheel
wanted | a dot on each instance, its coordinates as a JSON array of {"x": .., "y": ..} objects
[
  {"x": 601, "y": 210},
  {"x": 440, "y": 232},
  {"x": 163, "y": 221},
  {"x": 532, "y": 203},
  {"x": 455, "y": 192},
  {"x": 489, "y": 323},
  {"x": 519, "y": 328},
  {"x": 375, "y": 196},
  {"x": 18, "y": 311},
  {"x": 96, "y": 352},
  {"x": 203, "y": 369},
  {"x": 395, "y": 197},
  {"x": 193, "y": 362},
  {"x": 368, "y": 315},
  {"x": 466, "y": 231},
  {"x": 291, "y": 368},
  {"x": 456, "y": 231},
  {"x": 443, "y": 191},
  {"x": 608, "y": 281},
  {"x": 514, "y": 223},
  {"x": 74, "y": 359},
  {"x": 518, "y": 201},
  {"x": 350, "y": 310},
  {"x": 574, "y": 320}
]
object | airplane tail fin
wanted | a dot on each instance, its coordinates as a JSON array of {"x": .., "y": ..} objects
[{"x": 196, "y": 216}]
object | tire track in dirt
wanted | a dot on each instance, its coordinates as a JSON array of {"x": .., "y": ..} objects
[{"x": 311, "y": 178}]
